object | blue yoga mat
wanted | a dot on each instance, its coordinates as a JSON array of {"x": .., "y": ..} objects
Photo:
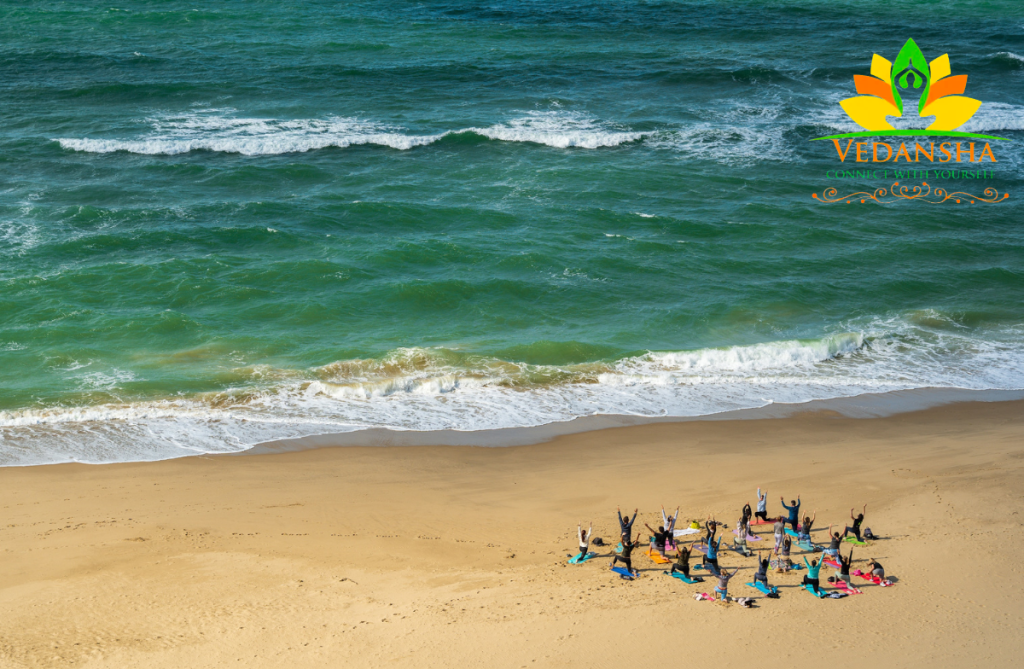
[
  {"x": 758, "y": 585},
  {"x": 809, "y": 588},
  {"x": 683, "y": 577}
]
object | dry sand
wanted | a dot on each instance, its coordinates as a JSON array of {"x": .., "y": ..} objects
[{"x": 455, "y": 556}]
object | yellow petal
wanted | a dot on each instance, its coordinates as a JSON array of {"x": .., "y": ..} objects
[
  {"x": 951, "y": 112},
  {"x": 939, "y": 67},
  {"x": 869, "y": 112},
  {"x": 881, "y": 68}
]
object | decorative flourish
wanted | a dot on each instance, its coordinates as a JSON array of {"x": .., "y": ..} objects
[{"x": 899, "y": 192}]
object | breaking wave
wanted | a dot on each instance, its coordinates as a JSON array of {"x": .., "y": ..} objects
[
  {"x": 219, "y": 132},
  {"x": 434, "y": 389}
]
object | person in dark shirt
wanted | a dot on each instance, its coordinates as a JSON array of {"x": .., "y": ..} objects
[
  {"x": 834, "y": 539},
  {"x": 625, "y": 555},
  {"x": 660, "y": 537},
  {"x": 844, "y": 567},
  {"x": 805, "y": 529},
  {"x": 762, "y": 569},
  {"x": 626, "y": 527},
  {"x": 710, "y": 527},
  {"x": 857, "y": 520},
  {"x": 794, "y": 510},
  {"x": 682, "y": 563}
]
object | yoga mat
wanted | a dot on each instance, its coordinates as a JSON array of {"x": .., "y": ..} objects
[
  {"x": 850, "y": 590},
  {"x": 684, "y": 578},
  {"x": 758, "y": 585},
  {"x": 579, "y": 558},
  {"x": 656, "y": 557},
  {"x": 820, "y": 594}
]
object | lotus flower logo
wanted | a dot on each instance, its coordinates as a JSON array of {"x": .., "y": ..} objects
[{"x": 941, "y": 97}]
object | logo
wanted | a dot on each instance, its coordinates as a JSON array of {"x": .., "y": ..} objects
[{"x": 941, "y": 98}]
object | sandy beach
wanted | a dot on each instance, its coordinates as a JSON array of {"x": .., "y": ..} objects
[{"x": 454, "y": 556}]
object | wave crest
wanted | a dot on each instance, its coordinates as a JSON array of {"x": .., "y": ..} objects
[
  {"x": 438, "y": 389},
  {"x": 261, "y": 137}
]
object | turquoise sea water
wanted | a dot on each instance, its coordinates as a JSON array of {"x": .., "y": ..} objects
[{"x": 230, "y": 222}]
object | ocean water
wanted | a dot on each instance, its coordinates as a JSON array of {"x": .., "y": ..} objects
[{"x": 237, "y": 221}]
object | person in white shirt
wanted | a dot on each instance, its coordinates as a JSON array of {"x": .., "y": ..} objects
[
  {"x": 762, "y": 505},
  {"x": 584, "y": 538}
]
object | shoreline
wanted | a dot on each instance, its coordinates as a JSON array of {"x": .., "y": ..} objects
[
  {"x": 867, "y": 405},
  {"x": 409, "y": 557}
]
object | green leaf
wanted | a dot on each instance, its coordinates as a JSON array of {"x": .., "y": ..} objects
[{"x": 911, "y": 69}]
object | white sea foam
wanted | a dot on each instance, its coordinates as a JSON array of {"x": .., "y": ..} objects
[
  {"x": 737, "y": 136},
  {"x": 1009, "y": 55},
  {"x": 430, "y": 389},
  {"x": 558, "y": 129},
  {"x": 990, "y": 117},
  {"x": 995, "y": 117},
  {"x": 218, "y": 130},
  {"x": 251, "y": 136}
]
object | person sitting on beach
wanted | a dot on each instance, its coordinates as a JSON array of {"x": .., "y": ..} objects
[
  {"x": 762, "y": 570},
  {"x": 740, "y": 541},
  {"x": 711, "y": 557},
  {"x": 834, "y": 538},
  {"x": 805, "y": 529},
  {"x": 626, "y": 528},
  {"x": 813, "y": 568},
  {"x": 794, "y": 511},
  {"x": 780, "y": 533},
  {"x": 660, "y": 537},
  {"x": 762, "y": 506},
  {"x": 722, "y": 589},
  {"x": 584, "y": 538},
  {"x": 625, "y": 555},
  {"x": 785, "y": 564},
  {"x": 857, "y": 520},
  {"x": 682, "y": 563},
  {"x": 876, "y": 568},
  {"x": 747, "y": 514},
  {"x": 844, "y": 567}
]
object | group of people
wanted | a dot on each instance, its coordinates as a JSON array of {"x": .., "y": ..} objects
[{"x": 663, "y": 539}]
